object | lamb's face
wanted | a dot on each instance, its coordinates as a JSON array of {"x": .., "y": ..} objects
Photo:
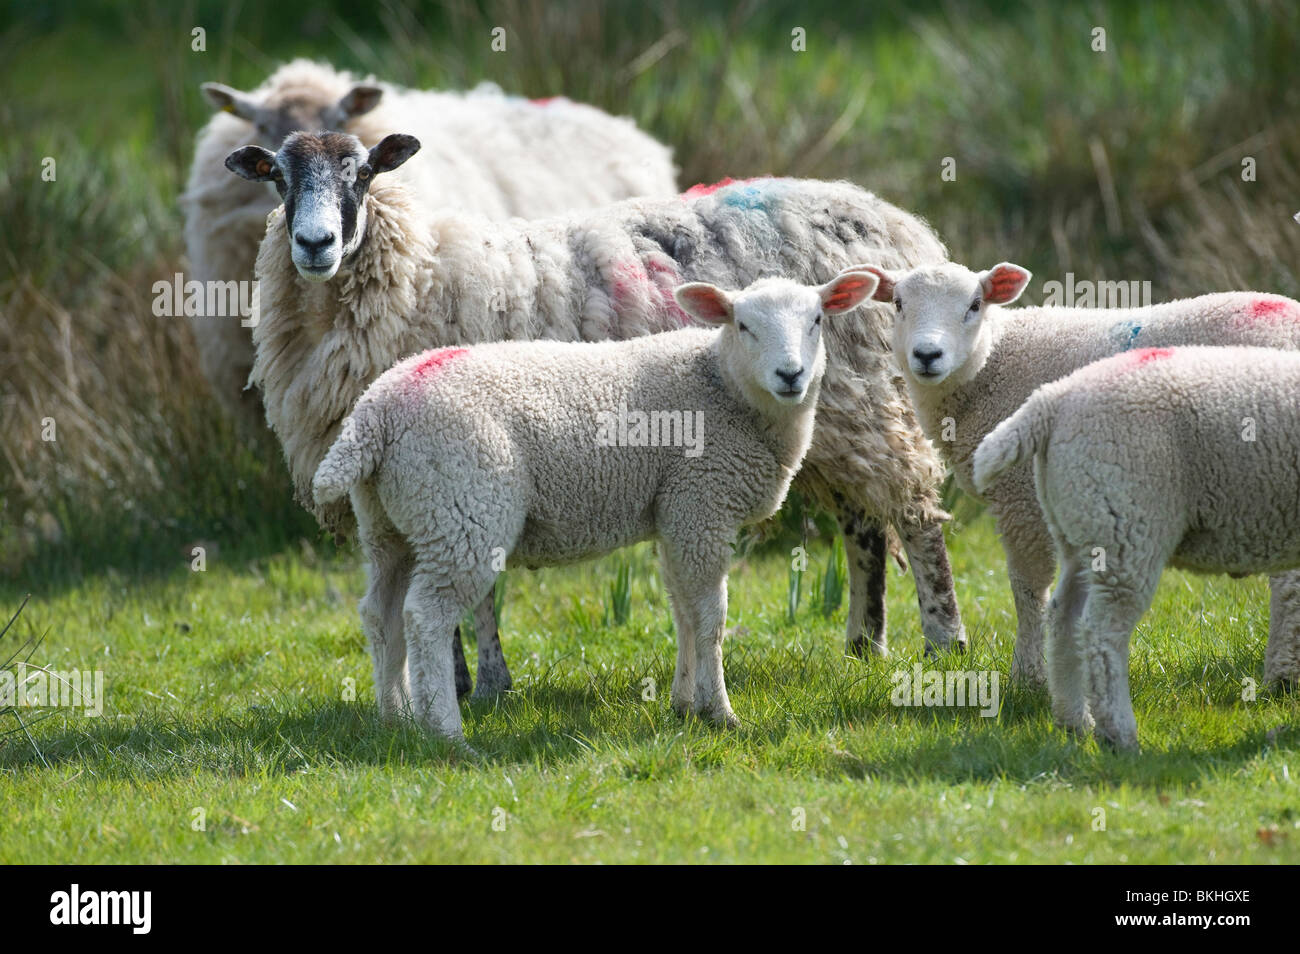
[
  {"x": 939, "y": 326},
  {"x": 323, "y": 179},
  {"x": 776, "y": 327},
  {"x": 275, "y": 116}
]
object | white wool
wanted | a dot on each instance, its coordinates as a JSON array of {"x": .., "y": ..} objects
[
  {"x": 996, "y": 358},
  {"x": 457, "y": 458},
  {"x": 485, "y": 152},
  {"x": 1183, "y": 457}
]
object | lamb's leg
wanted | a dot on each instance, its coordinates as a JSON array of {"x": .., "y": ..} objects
[
  {"x": 1066, "y": 677},
  {"x": 1106, "y": 628},
  {"x": 493, "y": 674},
  {"x": 1282, "y": 656},
  {"x": 940, "y": 617},
  {"x": 1031, "y": 565},
  {"x": 431, "y": 614},
  {"x": 699, "y": 590},
  {"x": 683, "y": 690},
  {"x": 866, "y": 552},
  {"x": 381, "y": 608}
]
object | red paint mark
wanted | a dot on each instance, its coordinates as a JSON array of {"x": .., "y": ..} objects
[
  {"x": 1146, "y": 355},
  {"x": 544, "y": 100},
  {"x": 431, "y": 361},
  {"x": 701, "y": 189},
  {"x": 1269, "y": 309}
]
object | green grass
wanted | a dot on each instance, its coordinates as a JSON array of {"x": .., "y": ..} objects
[{"x": 226, "y": 693}]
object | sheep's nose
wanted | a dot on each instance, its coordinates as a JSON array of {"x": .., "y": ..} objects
[
  {"x": 927, "y": 357},
  {"x": 790, "y": 377},
  {"x": 314, "y": 244}
]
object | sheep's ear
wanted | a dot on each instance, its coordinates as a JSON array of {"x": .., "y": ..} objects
[
  {"x": 1004, "y": 282},
  {"x": 230, "y": 100},
  {"x": 708, "y": 303},
  {"x": 252, "y": 162},
  {"x": 885, "y": 280},
  {"x": 847, "y": 290},
  {"x": 359, "y": 100},
  {"x": 392, "y": 151}
]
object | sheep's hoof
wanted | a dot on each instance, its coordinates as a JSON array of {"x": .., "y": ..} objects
[
  {"x": 865, "y": 648},
  {"x": 487, "y": 691},
  {"x": 724, "y": 718}
]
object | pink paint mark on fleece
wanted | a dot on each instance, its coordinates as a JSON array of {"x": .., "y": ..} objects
[
  {"x": 701, "y": 189},
  {"x": 1135, "y": 359},
  {"x": 1271, "y": 309},
  {"x": 544, "y": 100},
  {"x": 665, "y": 279},
  {"x": 433, "y": 360}
]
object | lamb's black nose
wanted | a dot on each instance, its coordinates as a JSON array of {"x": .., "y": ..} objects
[
  {"x": 926, "y": 357},
  {"x": 316, "y": 244},
  {"x": 790, "y": 377}
]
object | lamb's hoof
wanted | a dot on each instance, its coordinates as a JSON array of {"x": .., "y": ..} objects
[
  {"x": 720, "y": 717},
  {"x": 866, "y": 649},
  {"x": 1028, "y": 677},
  {"x": 1118, "y": 745}
]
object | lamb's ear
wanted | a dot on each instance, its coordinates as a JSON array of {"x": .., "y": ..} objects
[
  {"x": 359, "y": 100},
  {"x": 230, "y": 100},
  {"x": 885, "y": 280},
  {"x": 847, "y": 290},
  {"x": 252, "y": 162},
  {"x": 708, "y": 303},
  {"x": 1004, "y": 282}
]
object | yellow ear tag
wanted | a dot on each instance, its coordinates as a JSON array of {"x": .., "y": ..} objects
[{"x": 227, "y": 108}]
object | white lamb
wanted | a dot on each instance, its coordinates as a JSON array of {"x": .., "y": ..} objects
[
  {"x": 460, "y": 456},
  {"x": 1187, "y": 457},
  {"x": 497, "y": 155},
  {"x": 403, "y": 282},
  {"x": 969, "y": 363}
]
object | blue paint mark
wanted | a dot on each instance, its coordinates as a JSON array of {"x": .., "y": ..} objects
[
  {"x": 746, "y": 197},
  {"x": 1127, "y": 333}
]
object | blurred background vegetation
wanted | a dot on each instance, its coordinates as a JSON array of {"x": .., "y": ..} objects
[{"x": 1117, "y": 165}]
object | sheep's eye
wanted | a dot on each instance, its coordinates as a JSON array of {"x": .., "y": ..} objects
[
  {"x": 898, "y": 305},
  {"x": 975, "y": 305},
  {"x": 741, "y": 326},
  {"x": 817, "y": 321},
  {"x": 363, "y": 173}
]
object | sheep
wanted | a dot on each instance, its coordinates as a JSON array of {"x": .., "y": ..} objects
[
  {"x": 403, "y": 283},
  {"x": 1162, "y": 456},
  {"x": 494, "y": 154},
  {"x": 969, "y": 363},
  {"x": 458, "y": 460}
]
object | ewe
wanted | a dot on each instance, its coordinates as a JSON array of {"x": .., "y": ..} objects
[
  {"x": 489, "y": 153},
  {"x": 1187, "y": 457},
  {"x": 354, "y": 277},
  {"x": 970, "y": 363},
  {"x": 459, "y": 455}
]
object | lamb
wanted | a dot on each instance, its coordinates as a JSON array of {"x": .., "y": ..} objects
[
  {"x": 403, "y": 283},
  {"x": 1163, "y": 456},
  {"x": 490, "y": 153},
  {"x": 969, "y": 363},
  {"x": 460, "y": 459}
]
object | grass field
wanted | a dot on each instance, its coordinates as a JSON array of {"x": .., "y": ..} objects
[
  {"x": 225, "y": 693},
  {"x": 244, "y": 691}
]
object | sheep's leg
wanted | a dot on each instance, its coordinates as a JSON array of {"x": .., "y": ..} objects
[
  {"x": 1066, "y": 678},
  {"x": 866, "y": 553},
  {"x": 1031, "y": 565},
  {"x": 464, "y": 682},
  {"x": 1282, "y": 656},
  {"x": 493, "y": 673},
  {"x": 381, "y": 608},
  {"x": 683, "y": 690},
  {"x": 1109, "y": 617},
  {"x": 935, "y": 595},
  {"x": 431, "y": 614}
]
